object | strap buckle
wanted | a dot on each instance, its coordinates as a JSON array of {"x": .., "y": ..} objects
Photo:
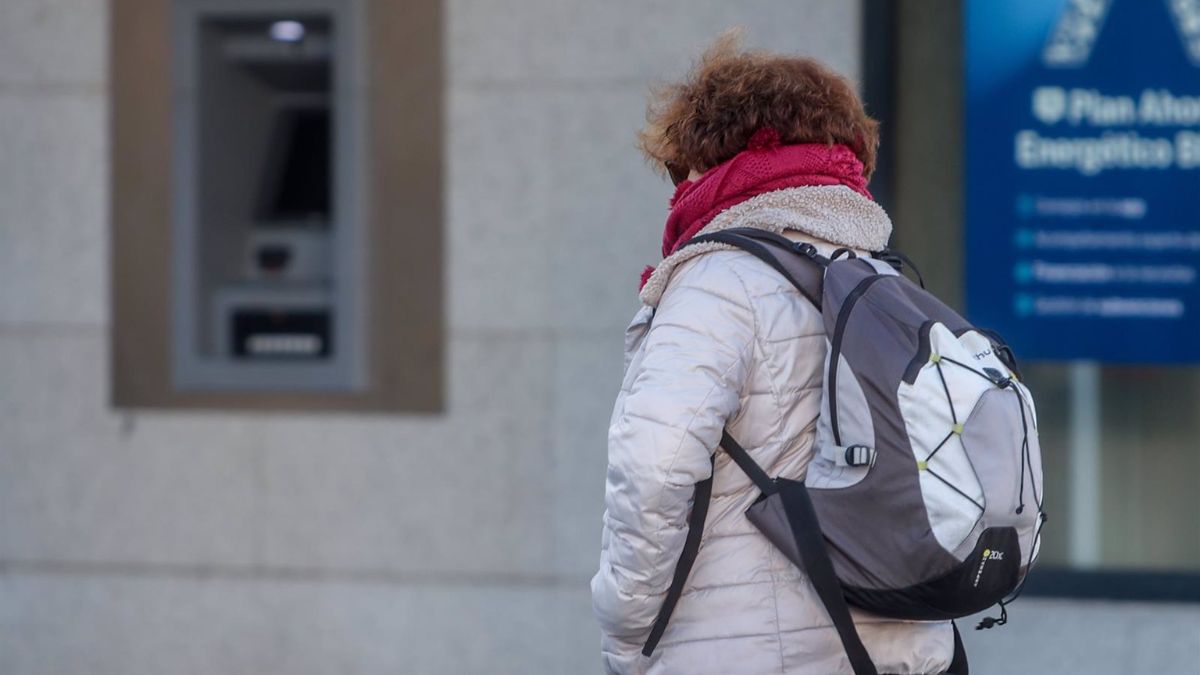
[
  {"x": 805, "y": 248},
  {"x": 997, "y": 377},
  {"x": 850, "y": 455},
  {"x": 860, "y": 455}
]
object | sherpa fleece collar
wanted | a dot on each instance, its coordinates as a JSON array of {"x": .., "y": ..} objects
[{"x": 832, "y": 213}]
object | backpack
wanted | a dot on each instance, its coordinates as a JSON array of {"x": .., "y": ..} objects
[{"x": 923, "y": 500}]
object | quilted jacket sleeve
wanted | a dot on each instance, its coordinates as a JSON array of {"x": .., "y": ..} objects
[{"x": 685, "y": 387}]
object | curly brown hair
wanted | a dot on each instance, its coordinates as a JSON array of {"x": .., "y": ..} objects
[{"x": 708, "y": 117}]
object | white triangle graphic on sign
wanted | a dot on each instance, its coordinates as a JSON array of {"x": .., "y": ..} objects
[
  {"x": 1074, "y": 36},
  {"x": 1186, "y": 14},
  {"x": 1070, "y": 44}
]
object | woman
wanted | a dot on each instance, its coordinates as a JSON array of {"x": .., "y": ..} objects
[{"x": 782, "y": 144}]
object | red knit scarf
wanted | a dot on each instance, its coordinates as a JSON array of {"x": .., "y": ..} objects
[{"x": 765, "y": 166}]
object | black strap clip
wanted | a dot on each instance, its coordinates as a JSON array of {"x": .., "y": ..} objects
[
  {"x": 859, "y": 455},
  {"x": 805, "y": 248}
]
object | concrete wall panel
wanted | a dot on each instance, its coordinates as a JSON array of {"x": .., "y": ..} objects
[
  {"x": 497, "y": 226},
  {"x": 575, "y": 40},
  {"x": 53, "y": 204},
  {"x": 468, "y": 493},
  {"x": 117, "y": 625},
  {"x": 79, "y": 483},
  {"x": 53, "y": 43}
]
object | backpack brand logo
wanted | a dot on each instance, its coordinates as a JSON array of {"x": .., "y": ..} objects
[{"x": 988, "y": 554}]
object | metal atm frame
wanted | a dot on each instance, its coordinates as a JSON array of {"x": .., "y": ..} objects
[{"x": 309, "y": 280}]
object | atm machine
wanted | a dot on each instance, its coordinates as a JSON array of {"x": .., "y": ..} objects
[{"x": 268, "y": 268}]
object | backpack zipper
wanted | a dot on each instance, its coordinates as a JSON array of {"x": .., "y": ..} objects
[{"x": 839, "y": 330}]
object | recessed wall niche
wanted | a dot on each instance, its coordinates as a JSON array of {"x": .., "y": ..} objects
[{"x": 277, "y": 204}]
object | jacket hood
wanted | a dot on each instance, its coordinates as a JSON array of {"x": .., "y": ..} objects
[{"x": 832, "y": 213}]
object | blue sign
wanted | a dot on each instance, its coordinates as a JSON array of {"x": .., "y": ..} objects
[{"x": 1083, "y": 177}]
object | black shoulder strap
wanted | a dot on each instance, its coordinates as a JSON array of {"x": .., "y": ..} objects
[
  {"x": 738, "y": 454},
  {"x": 810, "y": 543},
  {"x": 959, "y": 665},
  {"x": 691, "y": 547},
  {"x": 798, "y": 262}
]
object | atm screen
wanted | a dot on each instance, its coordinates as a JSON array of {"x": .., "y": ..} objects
[{"x": 296, "y": 176}]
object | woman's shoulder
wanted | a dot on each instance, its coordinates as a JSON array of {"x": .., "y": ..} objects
[
  {"x": 732, "y": 274},
  {"x": 723, "y": 270},
  {"x": 727, "y": 264}
]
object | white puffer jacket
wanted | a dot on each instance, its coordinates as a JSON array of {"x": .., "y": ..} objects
[{"x": 725, "y": 340}]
